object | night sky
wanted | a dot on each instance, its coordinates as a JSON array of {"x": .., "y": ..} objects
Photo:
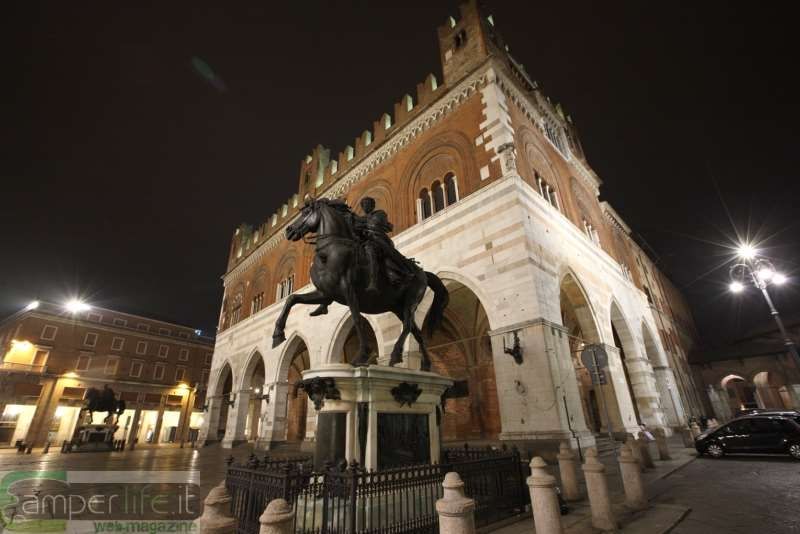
[{"x": 135, "y": 139}]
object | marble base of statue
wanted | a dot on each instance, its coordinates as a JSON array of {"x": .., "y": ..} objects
[
  {"x": 94, "y": 438},
  {"x": 379, "y": 416}
]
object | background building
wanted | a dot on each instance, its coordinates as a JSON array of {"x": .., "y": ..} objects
[
  {"x": 487, "y": 186},
  {"x": 53, "y": 354},
  {"x": 755, "y": 371}
]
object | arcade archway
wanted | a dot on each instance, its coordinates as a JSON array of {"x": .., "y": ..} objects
[
  {"x": 577, "y": 317},
  {"x": 461, "y": 350},
  {"x": 770, "y": 391},
  {"x": 346, "y": 347},
  {"x": 223, "y": 396},
  {"x": 254, "y": 382},
  {"x": 297, "y": 401},
  {"x": 741, "y": 395}
]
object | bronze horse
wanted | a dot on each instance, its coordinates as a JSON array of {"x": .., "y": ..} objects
[{"x": 339, "y": 275}]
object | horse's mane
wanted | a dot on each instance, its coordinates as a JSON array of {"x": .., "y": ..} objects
[{"x": 339, "y": 205}]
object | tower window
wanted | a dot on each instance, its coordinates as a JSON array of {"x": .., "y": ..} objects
[
  {"x": 424, "y": 205},
  {"x": 438, "y": 196},
  {"x": 460, "y": 38},
  {"x": 451, "y": 189}
]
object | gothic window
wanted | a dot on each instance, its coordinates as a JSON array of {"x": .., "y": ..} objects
[
  {"x": 424, "y": 205},
  {"x": 451, "y": 189},
  {"x": 547, "y": 191},
  {"x": 285, "y": 287},
  {"x": 257, "y": 303},
  {"x": 236, "y": 310},
  {"x": 553, "y": 133},
  {"x": 460, "y": 38},
  {"x": 591, "y": 232},
  {"x": 438, "y": 196}
]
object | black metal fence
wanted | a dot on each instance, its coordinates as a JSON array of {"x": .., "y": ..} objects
[{"x": 347, "y": 499}]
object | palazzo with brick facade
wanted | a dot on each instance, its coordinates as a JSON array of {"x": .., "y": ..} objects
[
  {"x": 488, "y": 187},
  {"x": 52, "y": 355}
]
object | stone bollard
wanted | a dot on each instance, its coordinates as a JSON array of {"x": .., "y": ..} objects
[
  {"x": 216, "y": 517},
  {"x": 567, "y": 467},
  {"x": 456, "y": 512},
  {"x": 632, "y": 479},
  {"x": 597, "y": 486},
  {"x": 647, "y": 457},
  {"x": 663, "y": 446},
  {"x": 695, "y": 430},
  {"x": 277, "y": 518},
  {"x": 688, "y": 440},
  {"x": 546, "y": 511},
  {"x": 636, "y": 451}
]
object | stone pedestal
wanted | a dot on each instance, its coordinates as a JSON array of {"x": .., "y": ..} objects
[
  {"x": 567, "y": 467},
  {"x": 663, "y": 446},
  {"x": 456, "y": 512},
  {"x": 597, "y": 487},
  {"x": 216, "y": 518},
  {"x": 546, "y": 510},
  {"x": 94, "y": 438},
  {"x": 277, "y": 518},
  {"x": 635, "y": 497},
  {"x": 362, "y": 406}
]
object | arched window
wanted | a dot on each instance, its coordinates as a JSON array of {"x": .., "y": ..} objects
[
  {"x": 424, "y": 205},
  {"x": 438, "y": 196},
  {"x": 451, "y": 189},
  {"x": 547, "y": 191}
]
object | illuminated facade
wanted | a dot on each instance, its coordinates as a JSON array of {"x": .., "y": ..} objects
[
  {"x": 53, "y": 354},
  {"x": 488, "y": 187}
]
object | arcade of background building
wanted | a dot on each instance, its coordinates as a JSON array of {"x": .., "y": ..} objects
[{"x": 52, "y": 354}]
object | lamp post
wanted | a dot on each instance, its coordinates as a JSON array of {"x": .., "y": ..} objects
[{"x": 762, "y": 274}]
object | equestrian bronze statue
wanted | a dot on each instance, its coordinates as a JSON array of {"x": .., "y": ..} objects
[
  {"x": 355, "y": 264},
  {"x": 102, "y": 400}
]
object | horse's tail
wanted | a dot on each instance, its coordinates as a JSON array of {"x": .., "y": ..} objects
[{"x": 440, "y": 299}]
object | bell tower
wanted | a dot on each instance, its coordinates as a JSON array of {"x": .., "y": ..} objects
[{"x": 465, "y": 43}]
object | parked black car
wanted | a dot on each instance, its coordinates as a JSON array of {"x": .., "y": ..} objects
[
  {"x": 769, "y": 411},
  {"x": 758, "y": 434}
]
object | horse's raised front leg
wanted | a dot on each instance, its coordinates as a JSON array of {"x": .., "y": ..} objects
[
  {"x": 314, "y": 297},
  {"x": 426, "y": 359}
]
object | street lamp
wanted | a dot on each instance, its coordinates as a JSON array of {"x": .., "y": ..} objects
[
  {"x": 762, "y": 274},
  {"x": 76, "y": 305}
]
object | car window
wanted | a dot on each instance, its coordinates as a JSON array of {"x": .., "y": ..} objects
[
  {"x": 788, "y": 426},
  {"x": 738, "y": 427},
  {"x": 761, "y": 426}
]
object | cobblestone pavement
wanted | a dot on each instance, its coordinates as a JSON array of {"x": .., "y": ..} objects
[{"x": 754, "y": 494}]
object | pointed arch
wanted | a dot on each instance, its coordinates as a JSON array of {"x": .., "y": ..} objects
[
  {"x": 295, "y": 343},
  {"x": 250, "y": 368},
  {"x": 344, "y": 332},
  {"x": 572, "y": 292},
  {"x": 652, "y": 348}
]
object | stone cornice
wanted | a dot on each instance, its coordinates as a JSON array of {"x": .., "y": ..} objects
[
  {"x": 616, "y": 221},
  {"x": 446, "y": 104}
]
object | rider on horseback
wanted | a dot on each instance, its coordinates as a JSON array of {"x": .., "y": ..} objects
[{"x": 372, "y": 230}]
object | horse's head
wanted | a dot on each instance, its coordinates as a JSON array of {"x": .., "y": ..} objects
[{"x": 307, "y": 221}]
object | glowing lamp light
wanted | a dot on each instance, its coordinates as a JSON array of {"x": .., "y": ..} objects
[
  {"x": 75, "y": 306},
  {"x": 12, "y": 410},
  {"x": 746, "y": 251},
  {"x": 32, "y": 305},
  {"x": 778, "y": 279},
  {"x": 736, "y": 287},
  {"x": 765, "y": 274},
  {"x": 21, "y": 345}
]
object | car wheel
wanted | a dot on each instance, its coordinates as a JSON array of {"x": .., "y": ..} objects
[
  {"x": 715, "y": 451},
  {"x": 794, "y": 450}
]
